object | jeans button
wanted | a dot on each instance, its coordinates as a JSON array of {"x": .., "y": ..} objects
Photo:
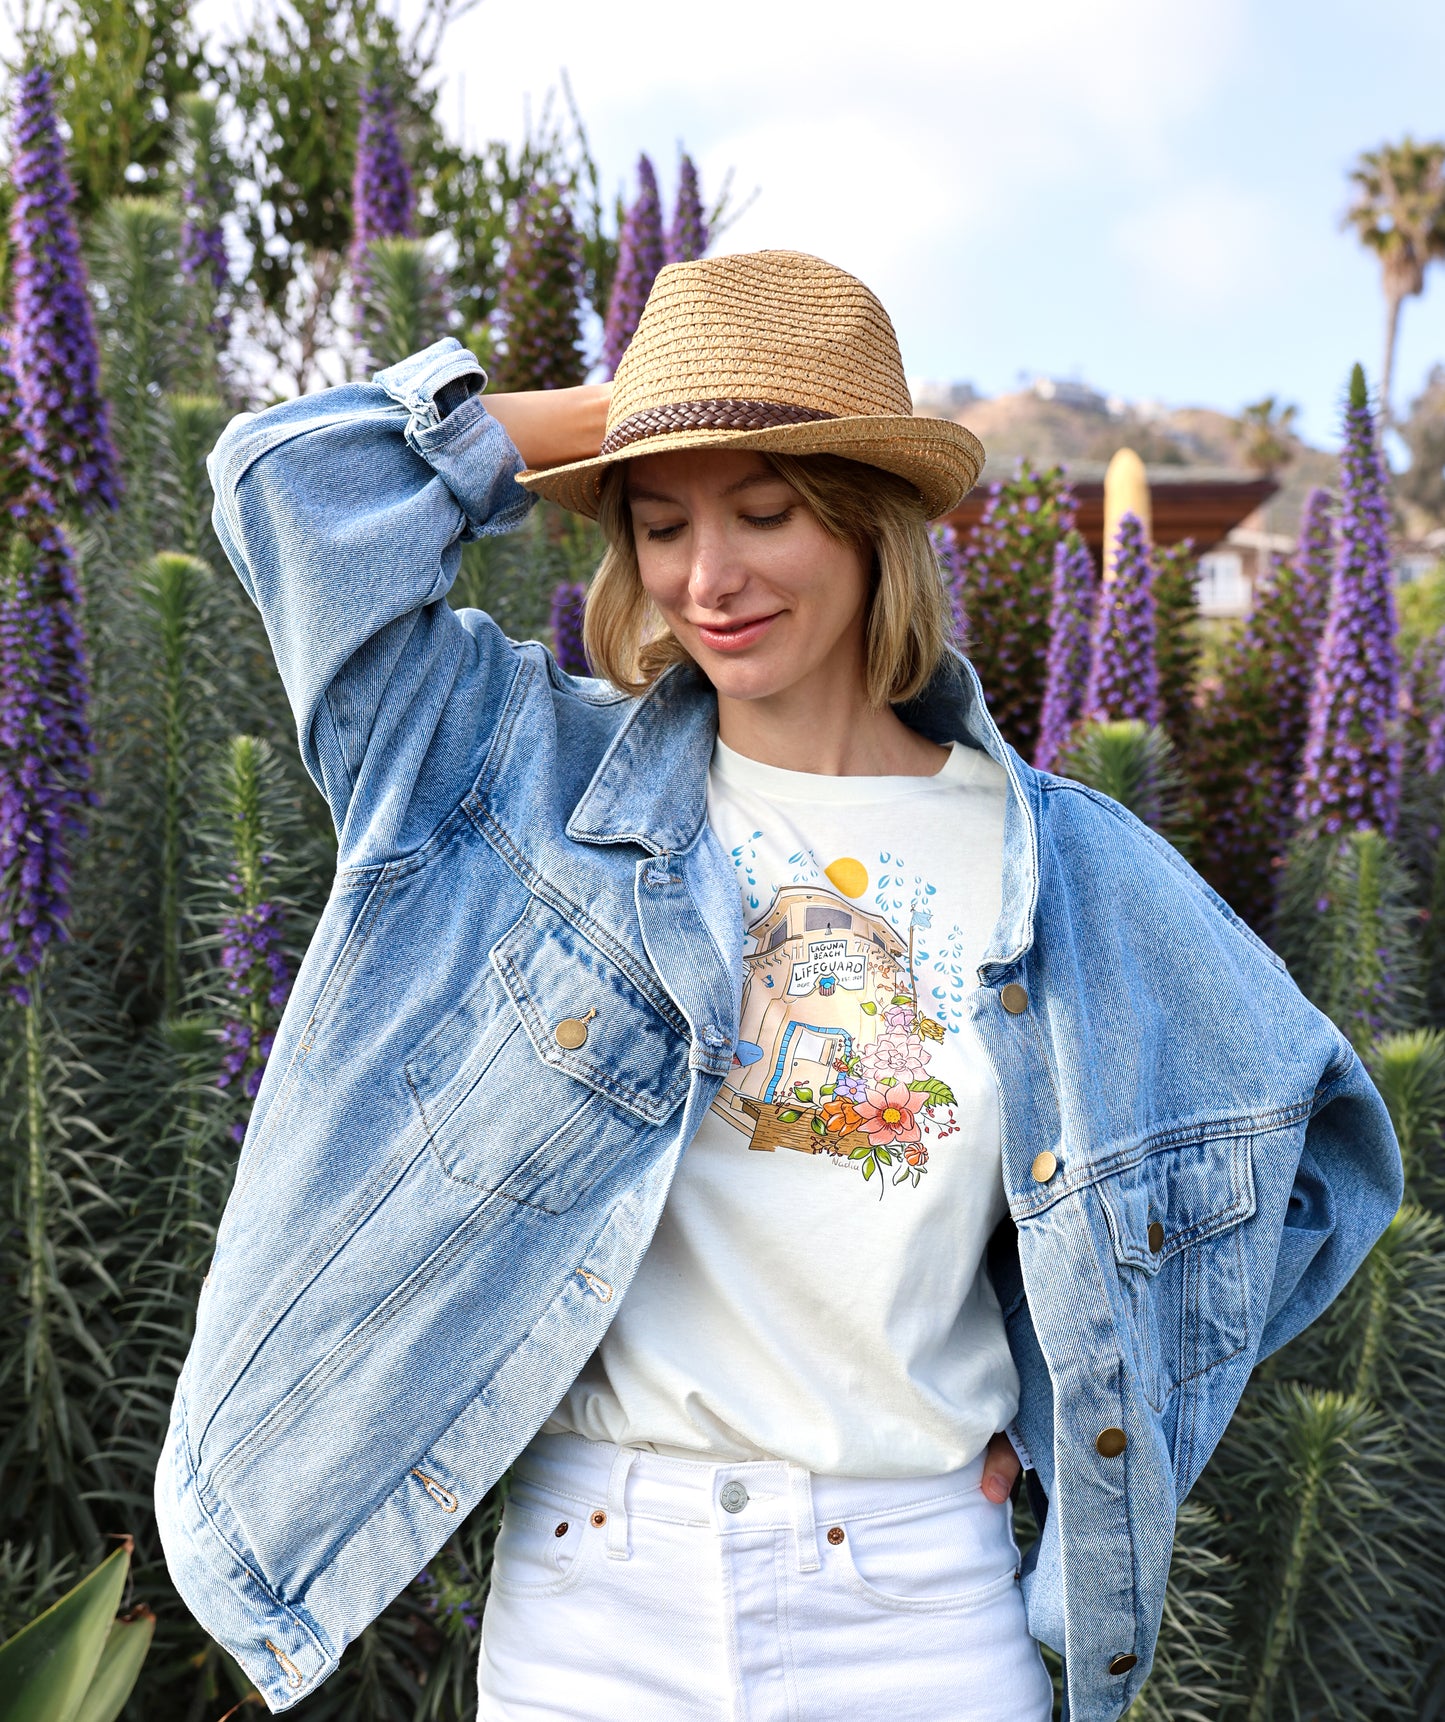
[{"x": 733, "y": 1496}]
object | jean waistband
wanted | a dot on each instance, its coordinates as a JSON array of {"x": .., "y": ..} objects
[{"x": 734, "y": 1497}]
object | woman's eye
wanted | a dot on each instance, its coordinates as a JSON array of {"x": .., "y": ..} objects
[
  {"x": 662, "y": 534},
  {"x": 766, "y": 520}
]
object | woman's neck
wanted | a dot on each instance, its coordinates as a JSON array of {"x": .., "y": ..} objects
[{"x": 831, "y": 731}]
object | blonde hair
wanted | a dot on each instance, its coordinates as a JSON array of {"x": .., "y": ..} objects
[{"x": 909, "y": 622}]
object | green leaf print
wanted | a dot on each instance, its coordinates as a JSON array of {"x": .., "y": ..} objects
[{"x": 939, "y": 1093}]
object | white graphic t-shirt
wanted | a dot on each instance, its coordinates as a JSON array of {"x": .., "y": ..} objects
[{"x": 815, "y": 1288}]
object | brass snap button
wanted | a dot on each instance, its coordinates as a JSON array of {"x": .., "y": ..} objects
[
  {"x": 1156, "y": 1236},
  {"x": 1111, "y": 1442},
  {"x": 1122, "y": 1664},
  {"x": 561, "y": 1530},
  {"x": 835, "y": 1535},
  {"x": 1044, "y": 1166},
  {"x": 598, "y": 1519},
  {"x": 733, "y": 1496},
  {"x": 1014, "y": 998},
  {"x": 571, "y": 1032}
]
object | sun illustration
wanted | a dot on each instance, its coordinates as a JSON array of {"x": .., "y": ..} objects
[{"x": 850, "y": 876}]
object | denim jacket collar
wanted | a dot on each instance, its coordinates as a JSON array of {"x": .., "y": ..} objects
[{"x": 651, "y": 785}]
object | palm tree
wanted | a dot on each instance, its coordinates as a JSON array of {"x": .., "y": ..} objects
[{"x": 1399, "y": 213}]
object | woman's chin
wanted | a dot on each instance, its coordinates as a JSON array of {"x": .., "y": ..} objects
[{"x": 736, "y": 679}]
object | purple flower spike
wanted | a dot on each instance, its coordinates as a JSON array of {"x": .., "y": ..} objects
[
  {"x": 1248, "y": 738},
  {"x": 639, "y": 257},
  {"x": 257, "y": 977},
  {"x": 1001, "y": 582},
  {"x": 203, "y": 196},
  {"x": 62, "y": 415},
  {"x": 1071, "y": 618},
  {"x": 45, "y": 747},
  {"x": 1123, "y": 677},
  {"x": 1352, "y": 766},
  {"x": 569, "y": 600},
  {"x": 688, "y": 238},
  {"x": 381, "y": 195},
  {"x": 539, "y": 302},
  {"x": 1434, "y": 703}
]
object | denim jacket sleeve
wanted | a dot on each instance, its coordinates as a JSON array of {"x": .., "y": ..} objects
[{"x": 344, "y": 513}]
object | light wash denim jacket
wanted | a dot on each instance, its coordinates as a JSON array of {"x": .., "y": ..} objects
[{"x": 438, "y": 1209}]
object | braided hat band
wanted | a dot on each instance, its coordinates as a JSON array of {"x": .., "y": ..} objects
[{"x": 775, "y": 351}]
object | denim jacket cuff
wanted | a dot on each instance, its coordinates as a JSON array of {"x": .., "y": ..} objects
[
  {"x": 468, "y": 449},
  {"x": 414, "y": 382}
]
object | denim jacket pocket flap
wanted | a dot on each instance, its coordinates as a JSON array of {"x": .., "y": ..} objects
[
  {"x": 585, "y": 1017},
  {"x": 1177, "y": 1195}
]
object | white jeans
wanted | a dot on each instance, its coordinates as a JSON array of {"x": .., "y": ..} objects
[{"x": 633, "y": 1588}]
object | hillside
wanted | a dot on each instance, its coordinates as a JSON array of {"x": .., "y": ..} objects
[{"x": 1082, "y": 433}]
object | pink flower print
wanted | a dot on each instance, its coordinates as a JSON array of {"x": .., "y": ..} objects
[
  {"x": 895, "y": 1058},
  {"x": 899, "y": 1017},
  {"x": 890, "y": 1115}
]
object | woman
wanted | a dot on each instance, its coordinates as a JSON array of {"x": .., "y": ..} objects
[{"x": 774, "y": 892}]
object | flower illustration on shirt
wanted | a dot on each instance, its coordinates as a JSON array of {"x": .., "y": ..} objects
[{"x": 834, "y": 1052}]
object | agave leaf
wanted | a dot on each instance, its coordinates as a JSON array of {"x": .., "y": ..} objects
[
  {"x": 120, "y": 1665},
  {"x": 47, "y": 1668}
]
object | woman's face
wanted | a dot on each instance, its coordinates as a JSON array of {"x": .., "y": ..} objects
[{"x": 744, "y": 575}]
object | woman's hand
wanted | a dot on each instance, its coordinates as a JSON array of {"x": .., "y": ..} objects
[
  {"x": 1000, "y": 1468},
  {"x": 553, "y": 426}
]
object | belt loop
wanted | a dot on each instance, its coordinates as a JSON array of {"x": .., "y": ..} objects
[
  {"x": 805, "y": 1531},
  {"x": 617, "y": 1544}
]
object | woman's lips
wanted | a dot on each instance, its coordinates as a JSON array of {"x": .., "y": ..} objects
[{"x": 736, "y": 636}]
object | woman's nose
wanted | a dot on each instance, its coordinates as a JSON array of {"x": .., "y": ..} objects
[{"x": 715, "y": 573}]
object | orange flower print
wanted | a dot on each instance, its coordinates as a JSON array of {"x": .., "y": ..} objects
[
  {"x": 841, "y": 1116},
  {"x": 891, "y": 1115},
  {"x": 916, "y": 1153}
]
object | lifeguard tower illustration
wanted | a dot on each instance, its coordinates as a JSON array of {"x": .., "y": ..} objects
[{"x": 818, "y": 974}]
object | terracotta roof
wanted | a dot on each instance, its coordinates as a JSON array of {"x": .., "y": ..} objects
[{"x": 1202, "y": 503}]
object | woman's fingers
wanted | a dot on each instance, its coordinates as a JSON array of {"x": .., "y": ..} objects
[{"x": 1000, "y": 1468}]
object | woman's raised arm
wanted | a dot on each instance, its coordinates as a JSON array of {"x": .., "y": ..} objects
[{"x": 344, "y": 514}]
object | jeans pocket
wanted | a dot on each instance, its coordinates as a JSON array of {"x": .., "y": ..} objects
[
  {"x": 932, "y": 1557},
  {"x": 541, "y": 1549}
]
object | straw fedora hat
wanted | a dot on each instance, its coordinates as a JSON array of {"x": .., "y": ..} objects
[{"x": 769, "y": 350}]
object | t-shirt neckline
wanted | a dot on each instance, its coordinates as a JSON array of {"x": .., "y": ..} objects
[{"x": 733, "y": 770}]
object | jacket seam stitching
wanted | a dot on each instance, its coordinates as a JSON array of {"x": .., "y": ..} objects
[
  {"x": 543, "y": 891},
  {"x": 1210, "y": 1130},
  {"x": 1166, "y": 851},
  {"x": 345, "y": 963}
]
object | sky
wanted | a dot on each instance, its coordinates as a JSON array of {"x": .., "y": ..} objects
[{"x": 1143, "y": 194}]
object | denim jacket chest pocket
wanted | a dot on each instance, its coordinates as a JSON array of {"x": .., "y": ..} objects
[
  {"x": 534, "y": 1087},
  {"x": 1174, "y": 1218}
]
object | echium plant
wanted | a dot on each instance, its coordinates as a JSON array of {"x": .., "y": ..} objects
[
  {"x": 1123, "y": 675},
  {"x": 1066, "y": 669},
  {"x": 204, "y": 194},
  {"x": 639, "y": 257},
  {"x": 62, "y": 414},
  {"x": 687, "y": 237},
  {"x": 569, "y": 600},
  {"x": 256, "y": 974},
  {"x": 1001, "y": 581},
  {"x": 1351, "y": 771},
  {"x": 381, "y": 190},
  {"x": 1247, "y": 739},
  {"x": 539, "y": 300},
  {"x": 1177, "y": 639},
  {"x": 45, "y": 748}
]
